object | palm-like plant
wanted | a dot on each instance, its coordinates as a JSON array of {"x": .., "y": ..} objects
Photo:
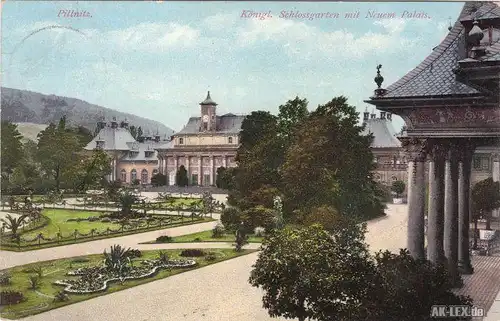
[
  {"x": 126, "y": 200},
  {"x": 13, "y": 223},
  {"x": 117, "y": 259}
]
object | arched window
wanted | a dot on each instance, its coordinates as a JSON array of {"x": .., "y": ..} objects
[
  {"x": 144, "y": 176},
  {"x": 394, "y": 178},
  {"x": 123, "y": 176},
  {"x": 133, "y": 175}
]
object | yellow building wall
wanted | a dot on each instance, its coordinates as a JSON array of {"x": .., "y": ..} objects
[
  {"x": 139, "y": 166},
  {"x": 207, "y": 140}
]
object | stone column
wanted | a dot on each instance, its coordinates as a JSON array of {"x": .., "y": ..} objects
[
  {"x": 451, "y": 212},
  {"x": 212, "y": 170},
  {"x": 224, "y": 161},
  {"x": 495, "y": 175},
  {"x": 160, "y": 164},
  {"x": 467, "y": 151},
  {"x": 200, "y": 170},
  {"x": 186, "y": 157},
  {"x": 411, "y": 167},
  {"x": 435, "y": 221},
  {"x": 416, "y": 149}
]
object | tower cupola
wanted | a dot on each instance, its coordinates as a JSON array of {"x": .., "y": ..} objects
[{"x": 208, "y": 114}]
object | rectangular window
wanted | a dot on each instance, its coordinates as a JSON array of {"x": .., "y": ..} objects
[
  {"x": 194, "y": 179},
  {"x": 206, "y": 180},
  {"x": 181, "y": 141},
  {"x": 230, "y": 140},
  {"x": 485, "y": 164},
  {"x": 477, "y": 162}
]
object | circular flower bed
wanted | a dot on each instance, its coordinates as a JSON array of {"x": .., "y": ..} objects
[{"x": 96, "y": 279}]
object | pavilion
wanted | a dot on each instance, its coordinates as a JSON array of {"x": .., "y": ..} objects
[{"x": 450, "y": 104}]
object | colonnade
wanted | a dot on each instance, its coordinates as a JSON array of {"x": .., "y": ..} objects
[{"x": 448, "y": 201}]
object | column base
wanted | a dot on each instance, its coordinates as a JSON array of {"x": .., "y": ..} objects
[{"x": 465, "y": 268}]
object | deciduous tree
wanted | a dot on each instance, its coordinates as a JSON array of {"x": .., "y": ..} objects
[
  {"x": 181, "y": 178},
  {"x": 12, "y": 152},
  {"x": 485, "y": 198}
]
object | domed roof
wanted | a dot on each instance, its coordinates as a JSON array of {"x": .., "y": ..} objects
[{"x": 208, "y": 101}]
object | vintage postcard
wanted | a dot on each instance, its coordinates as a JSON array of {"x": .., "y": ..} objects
[{"x": 250, "y": 161}]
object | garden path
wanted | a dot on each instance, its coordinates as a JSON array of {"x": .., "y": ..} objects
[{"x": 184, "y": 296}]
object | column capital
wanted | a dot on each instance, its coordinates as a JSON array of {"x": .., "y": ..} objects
[
  {"x": 466, "y": 150},
  {"x": 415, "y": 148},
  {"x": 437, "y": 150},
  {"x": 495, "y": 157}
]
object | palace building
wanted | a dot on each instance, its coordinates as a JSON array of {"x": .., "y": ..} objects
[
  {"x": 206, "y": 142},
  {"x": 451, "y": 107},
  {"x": 132, "y": 159}
]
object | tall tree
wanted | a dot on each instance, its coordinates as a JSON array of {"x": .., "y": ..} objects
[
  {"x": 56, "y": 151},
  {"x": 11, "y": 147},
  {"x": 89, "y": 170},
  {"x": 330, "y": 163},
  {"x": 133, "y": 131},
  {"x": 181, "y": 177},
  {"x": 259, "y": 158},
  {"x": 290, "y": 116},
  {"x": 485, "y": 198}
]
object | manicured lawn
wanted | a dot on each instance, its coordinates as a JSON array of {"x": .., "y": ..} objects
[
  {"x": 58, "y": 223},
  {"x": 41, "y": 300},
  {"x": 206, "y": 236},
  {"x": 58, "y": 220}
]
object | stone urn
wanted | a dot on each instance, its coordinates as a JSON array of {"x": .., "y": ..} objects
[{"x": 397, "y": 201}]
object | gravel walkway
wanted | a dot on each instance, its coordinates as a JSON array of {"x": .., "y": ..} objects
[{"x": 218, "y": 292}]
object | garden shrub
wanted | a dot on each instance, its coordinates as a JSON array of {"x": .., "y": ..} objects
[
  {"x": 258, "y": 216},
  {"x": 34, "y": 282},
  {"x": 106, "y": 220},
  {"x": 218, "y": 231},
  {"x": 11, "y": 297},
  {"x": 259, "y": 231},
  {"x": 193, "y": 253},
  {"x": 211, "y": 256},
  {"x": 231, "y": 218},
  {"x": 164, "y": 239},
  {"x": 5, "y": 278},
  {"x": 197, "y": 239},
  {"x": 134, "y": 253},
  {"x": 93, "y": 219},
  {"x": 61, "y": 296},
  {"x": 80, "y": 260}
]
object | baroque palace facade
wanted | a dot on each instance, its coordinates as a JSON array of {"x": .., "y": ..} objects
[
  {"x": 131, "y": 159},
  {"x": 392, "y": 162},
  {"x": 206, "y": 143}
]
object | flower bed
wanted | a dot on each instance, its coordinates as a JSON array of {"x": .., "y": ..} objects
[{"x": 96, "y": 279}]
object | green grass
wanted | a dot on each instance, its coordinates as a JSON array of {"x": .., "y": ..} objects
[
  {"x": 56, "y": 270},
  {"x": 177, "y": 201},
  {"x": 58, "y": 221},
  {"x": 206, "y": 236}
]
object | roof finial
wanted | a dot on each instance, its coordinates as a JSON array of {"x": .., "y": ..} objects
[
  {"x": 208, "y": 95},
  {"x": 379, "y": 79},
  {"x": 449, "y": 24}
]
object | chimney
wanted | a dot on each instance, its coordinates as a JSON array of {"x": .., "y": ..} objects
[
  {"x": 366, "y": 115},
  {"x": 124, "y": 124},
  {"x": 373, "y": 116},
  {"x": 389, "y": 116},
  {"x": 382, "y": 115},
  {"x": 114, "y": 124}
]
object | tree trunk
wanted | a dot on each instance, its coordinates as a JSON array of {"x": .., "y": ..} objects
[
  {"x": 474, "y": 245},
  {"x": 488, "y": 220}
]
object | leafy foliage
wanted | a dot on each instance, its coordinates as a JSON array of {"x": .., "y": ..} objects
[
  {"x": 192, "y": 253},
  {"x": 11, "y": 147},
  {"x": 5, "y": 278},
  {"x": 34, "y": 281},
  {"x": 181, "y": 177},
  {"x": 164, "y": 239},
  {"x": 159, "y": 180},
  {"x": 61, "y": 296},
  {"x": 398, "y": 187},
  {"x": 118, "y": 259},
  {"x": 308, "y": 272},
  {"x": 14, "y": 223},
  {"x": 11, "y": 297},
  {"x": 241, "y": 238},
  {"x": 485, "y": 197},
  {"x": 231, "y": 218},
  {"x": 218, "y": 231}
]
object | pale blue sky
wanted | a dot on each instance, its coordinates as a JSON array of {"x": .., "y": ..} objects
[{"x": 158, "y": 60}]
